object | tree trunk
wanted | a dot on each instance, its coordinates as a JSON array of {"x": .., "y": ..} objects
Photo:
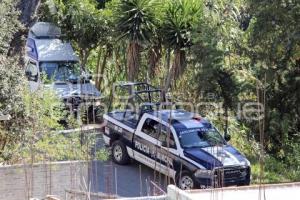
[
  {"x": 133, "y": 60},
  {"x": 28, "y": 17},
  {"x": 84, "y": 58},
  {"x": 28, "y": 10},
  {"x": 98, "y": 67},
  {"x": 226, "y": 120},
  {"x": 179, "y": 62},
  {"x": 154, "y": 56},
  {"x": 117, "y": 60},
  {"x": 169, "y": 71},
  {"x": 103, "y": 68},
  {"x": 177, "y": 69}
]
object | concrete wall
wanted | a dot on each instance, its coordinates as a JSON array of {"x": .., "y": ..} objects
[
  {"x": 254, "y": 192},
  {"x": 19, "y": 182}
]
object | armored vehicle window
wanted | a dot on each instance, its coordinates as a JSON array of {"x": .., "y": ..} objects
[
  {"x": 49, "y": 69},
  {"x": 61, "y": 71}
]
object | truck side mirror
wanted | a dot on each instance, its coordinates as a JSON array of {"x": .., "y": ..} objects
[
  {"x": 227, "y": 137},
  {"x": 28, "y": 74}
]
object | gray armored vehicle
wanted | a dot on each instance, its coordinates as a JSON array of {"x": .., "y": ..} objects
[{"x": 53, "y": 63}]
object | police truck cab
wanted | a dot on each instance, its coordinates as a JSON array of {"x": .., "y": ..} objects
[{"x": 177, "y": 143}]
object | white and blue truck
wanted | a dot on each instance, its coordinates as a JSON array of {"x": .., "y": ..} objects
[
  {"x": 52, "y": 62},
  {"x": 177, "y": 143}
]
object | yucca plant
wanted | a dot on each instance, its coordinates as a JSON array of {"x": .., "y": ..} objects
[
  {"x": 136, "y": 22},
  {"x": 154, "y": 56},
  {"x": 181, "y": 16}
]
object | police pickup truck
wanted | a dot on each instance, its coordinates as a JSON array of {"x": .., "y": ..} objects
[{"x": 177, "y": 143}]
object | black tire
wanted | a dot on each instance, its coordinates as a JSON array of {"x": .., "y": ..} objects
[
  {"x": 119, "y": 153},
  {"x": 185, "y": 180}
]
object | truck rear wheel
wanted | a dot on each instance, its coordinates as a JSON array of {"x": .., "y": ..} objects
[{"x": 119, "y": 153}]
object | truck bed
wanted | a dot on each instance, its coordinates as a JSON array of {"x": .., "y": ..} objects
[{"x": 128, "y": 118}]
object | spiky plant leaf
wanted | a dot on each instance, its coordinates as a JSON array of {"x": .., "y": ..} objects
[
  {"x": 181, "y": 17},
  {"x": 136, "y": 22}
]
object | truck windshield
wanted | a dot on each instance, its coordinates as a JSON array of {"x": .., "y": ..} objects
[
  {"x": 200, "y": 138},
  {"x": 60, "y": 71}
]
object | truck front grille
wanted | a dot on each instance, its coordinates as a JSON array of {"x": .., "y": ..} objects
[{"x": 230, "y": 175}]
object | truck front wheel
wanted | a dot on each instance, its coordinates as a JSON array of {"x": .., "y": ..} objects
[
  {"x": 119, "y": 153},
  {"x": 185, "y": 180}
]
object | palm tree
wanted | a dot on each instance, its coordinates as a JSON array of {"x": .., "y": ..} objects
[
  {"x": 179, "y": 20},
  {"x": 136, "y": 22}
]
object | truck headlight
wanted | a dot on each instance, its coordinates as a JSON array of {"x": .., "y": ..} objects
[
  {"x": 246, "y": 162},
  {"x": 203, "y": 173}
]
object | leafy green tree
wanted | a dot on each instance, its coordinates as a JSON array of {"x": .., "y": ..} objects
[
  {"x": 232, "y": 46},
  {"x": 275, "y": 45},
  {"x": 11, "y": 103},
  {"x": 32, "y": 132},
  {"x": 27, "y": 10},
  {"x": 10, "y": 78},
  {"x": 135, "y": 22},
  {"x": 9, "y": 24},
  {"x": 214, "y": 42},
  {"x": 33, "y": 115},
  {"x": 85, "y": 25},
  {"x": 179, "y": 20},
  {"x": 213, "y": 77}
]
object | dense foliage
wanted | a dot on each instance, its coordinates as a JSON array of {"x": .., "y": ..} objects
[
  {"x": 229, "y": 52},
  {"x": 9, "y": 24},
  {"x": 10, "y": 75},
  {"x": 32, "y": 132}
]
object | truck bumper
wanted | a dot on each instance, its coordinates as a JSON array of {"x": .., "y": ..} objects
[
  {"x": 209, "y": 183},
  {"x": 224, "y": 180}
]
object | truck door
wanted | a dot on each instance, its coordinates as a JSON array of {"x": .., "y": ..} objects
[{"x": 148, "y": 148}]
